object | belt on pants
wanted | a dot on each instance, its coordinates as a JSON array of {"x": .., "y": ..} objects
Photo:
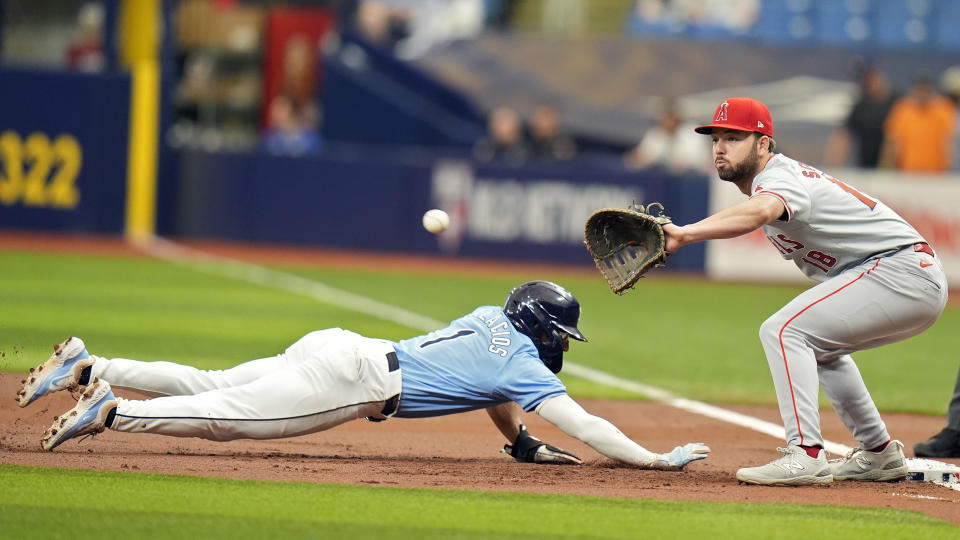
[
  {"x": 390, "y": 405},
  {"x": 924, "y": 247}
]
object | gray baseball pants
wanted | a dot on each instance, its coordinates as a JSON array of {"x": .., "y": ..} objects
[{"x": 809, "y": 341}]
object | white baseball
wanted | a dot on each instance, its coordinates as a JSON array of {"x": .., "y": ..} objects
[{"x": 436, "y": 221}]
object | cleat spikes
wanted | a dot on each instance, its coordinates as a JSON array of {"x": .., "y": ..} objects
[{"x": 87, "y": 418}]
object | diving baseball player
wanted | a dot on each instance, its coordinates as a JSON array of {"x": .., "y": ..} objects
[
  {"x": 880, "y": 282},
  {"x": 498, "y": 359}
]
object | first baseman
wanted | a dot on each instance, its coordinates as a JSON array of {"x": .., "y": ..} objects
[
  {"x": 498, "y": 359},
  {"x": 880, "y": 282}
]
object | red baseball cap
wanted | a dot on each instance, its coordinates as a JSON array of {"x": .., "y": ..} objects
[{"x": 742, "y": 114}]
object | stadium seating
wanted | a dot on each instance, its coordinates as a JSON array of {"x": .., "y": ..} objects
[{"x": 860, "y": 24}]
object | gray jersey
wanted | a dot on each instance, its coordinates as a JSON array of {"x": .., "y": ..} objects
[
  {"x": 879, "y": 285},
  {"x": 829, "y": 226}
]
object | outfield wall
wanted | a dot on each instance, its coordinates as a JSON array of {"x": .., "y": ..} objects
[
  {"x": 528, "y": 212},
  {"x": 928, "y": 202},
  {"x": 63, "y": 150}
]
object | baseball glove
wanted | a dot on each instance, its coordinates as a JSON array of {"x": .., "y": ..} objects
[
  {"x": 626, "y": 243},
  {"x": 529, "y": 449}
]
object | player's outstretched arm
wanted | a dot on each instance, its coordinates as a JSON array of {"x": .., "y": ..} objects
[
  {"x": 604, "y": 437},
  {"x": 731, "y": 222},
  {"x": 507, "y": 418},
  {"x": 523, "y": 446}
]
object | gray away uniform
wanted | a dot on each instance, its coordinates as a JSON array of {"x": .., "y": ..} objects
[{"x": 880, "y": 282}]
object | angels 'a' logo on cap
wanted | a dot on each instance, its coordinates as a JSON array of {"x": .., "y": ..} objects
[{"x": 722, "y": 112}]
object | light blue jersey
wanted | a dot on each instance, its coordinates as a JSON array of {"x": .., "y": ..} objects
[{"x": 479, "y": 361}]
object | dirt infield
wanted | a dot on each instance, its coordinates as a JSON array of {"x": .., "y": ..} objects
[{"x": 459, "y": 451}]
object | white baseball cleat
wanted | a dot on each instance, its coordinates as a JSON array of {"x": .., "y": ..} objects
[
  {"x": 887, "y": 465},
  {"x": 88, "y": 416},
  {"x": 60, "y": 372},
  {"x": 794, "y": 468}
]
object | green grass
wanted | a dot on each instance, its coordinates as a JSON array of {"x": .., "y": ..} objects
[
  {"x": 56, "y": 503},
  {"x": 695, "y": 338}
]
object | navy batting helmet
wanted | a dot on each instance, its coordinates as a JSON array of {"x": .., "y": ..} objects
[{"x": 545, "y": 312}]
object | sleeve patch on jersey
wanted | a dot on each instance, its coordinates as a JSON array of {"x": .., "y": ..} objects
[{"x": 784, "y": 201}]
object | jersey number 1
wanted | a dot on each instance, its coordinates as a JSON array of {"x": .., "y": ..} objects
[{"x": 460, "y": 333}]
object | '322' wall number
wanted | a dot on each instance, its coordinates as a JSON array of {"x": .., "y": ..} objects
[{"x": 38, "y": 172}]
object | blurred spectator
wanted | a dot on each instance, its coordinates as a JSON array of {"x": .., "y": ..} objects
[
  {"x": 919, "y": 133},
  {"x": 298, "y": 78},
  {"x": 546, "y": 142},
  {"x": 291, "y": 130},
  {"x": 950, "y": 83},
  {"x": 505, "y": 140},
  {"x": 435, "y": 22},
  {"x": 672, "y": 144},
  {"x": 85, "y": 52},
  {"x": 412, "y": 27},
  {"x": 864, "y": 125},
  {"x": 382, "y": 24},
  {"x": 196, "y": 87}
]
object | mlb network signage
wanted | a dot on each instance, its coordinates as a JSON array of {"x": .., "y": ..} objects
[
  {"x": 536, "y": 211},
  {"x": 530, "y": 212},
  {"x": 540, "y": 212}
]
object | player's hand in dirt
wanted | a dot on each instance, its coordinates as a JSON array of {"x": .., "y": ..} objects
[
  {"x": 529, "y": 449},
  {"x": 680, "y": 456}
]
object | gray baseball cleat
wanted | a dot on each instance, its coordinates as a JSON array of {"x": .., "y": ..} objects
[
  {"x": 60, "y": 372},
  {"x": 862, "y": 465},
  {"x": 794, "y": 468}
]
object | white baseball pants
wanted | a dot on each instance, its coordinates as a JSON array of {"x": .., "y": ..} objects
[
  {"x": 326, "y": 378},
  {"x": 809, "y": 341}
]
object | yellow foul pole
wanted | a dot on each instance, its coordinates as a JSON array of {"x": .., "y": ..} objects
[{"x": 140, "y": 41}]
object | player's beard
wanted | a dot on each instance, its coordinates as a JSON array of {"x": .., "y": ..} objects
[{"x": 745, "y": 169}]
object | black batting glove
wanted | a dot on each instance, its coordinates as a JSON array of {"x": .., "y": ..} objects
[{"x": 529, "y": 449}]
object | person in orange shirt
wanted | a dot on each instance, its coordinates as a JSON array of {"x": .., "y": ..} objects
[{"x": 920, "y": 130}]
